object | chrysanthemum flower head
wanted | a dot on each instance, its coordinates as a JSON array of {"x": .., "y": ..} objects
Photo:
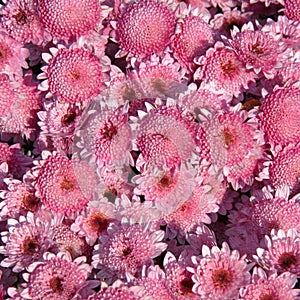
[
  {"x": 292, "y": 9},
  {"x": 282, "y": 253},
  {"x": 137, "y": 31},
  {"x": 25, "y": 242},
  {"x": 220, "y": 273},
  {"x": 270, "y": 287},
  {"x": 56, "y": 277},
  {"x": 67, "y": 20},
  {"x": 73, "y": 75},
  {"x": 223, "y": 72},
  {"x": 126, "y": 249},
  {"x": 21, "y": 20},
  {"x": 279, "y": 118},
  {"x": 57, "y": 186}
]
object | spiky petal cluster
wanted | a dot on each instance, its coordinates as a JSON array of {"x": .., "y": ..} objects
[{"x": 137, "y": 30}]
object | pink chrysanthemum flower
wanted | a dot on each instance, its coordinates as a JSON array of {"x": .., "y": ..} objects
[
  {"x": 258, "y": 50},
  {"x": 292, "y": 9},
  {"x": 25, "y": 242},
  {"x": 67, "y": 20},
  {"x": 153, "y": 281},
  {"x": 222, "y": 72},
  {"x": 58, "y": 122},
  {"x": 193, "y": 37},
  {"x": 95, "y": 221},
  {"x": 284, "y": 168},
  {"x": 137, "y": 31},
  {"x": 220, "y": 273},
  {"x": 126, "y": 249},
  {"x": 19, "y": 104},
  {"x": 252, "y": 220},
  {"x": 20, "y": 19},
  {"x": 73, "y": 75},
  {"x": 265, "y": 287},
  {"x": 166, "y": 136},
  {"x": 118, "y": 291},
  {"x": 279, "y": 118},
  {"x": 282, "y": 253},
  {"x": 104, "y": 136},
  {"x": 18, "y": 199},
  {"x": 178, "y": 278},
  {"x": 168, "y": 189},
  {"x": 56, "y": 277},
  {"x": 232, "y": 142},
  {"x": 57, "y": 185},
  {"x": 13, "y": 56}
]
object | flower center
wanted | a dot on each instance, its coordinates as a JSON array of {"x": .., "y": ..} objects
[
  {"x": 75, "y": 75},
  {"x": 109, "y": 130},
  {"x": 221, "y": 278},
  {"x": 127, "y": 251},
  {"x": 165, "y": 181},
  {"x": 257, "y": 49},
  {"x": 286, "y": 260},
  {"x": 186, "y": 285},
  {"x": 20, "y": 17},
  {"x": 98, "y": 222},
  {"x": 228, "y": 68},
  {"x": 30, "y": 202},
  {"x": 56, "y": 285},
  {"x": 67, "y": 184},
  {"x": 266, "y": 297},
  {"x": 228, "y": 138},
  {"x": 30, "y": 246},
  {"x": 128, "y": 93},
  {"x": 68, "y": 118}
]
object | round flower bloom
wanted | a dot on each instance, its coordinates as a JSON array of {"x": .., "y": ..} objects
[
  {"x": 13, "y": 56},
  {"x": 166, "y": 136},
  {"x": 272, "y": 287},
  {"x": 25, "y": 242},
  {"x": 18, "y": 199},
  {"x": 126, "y": 249},
  {"x": 104, "y": 137},
  {"x": 220, "y": 273},
  {"x": 57, "y": 185},
  {"x": 222, "y": 72},
  {"x": 194, "y": 36},
  {"x": 73, "y": 75},
  {"x": 21, "y": 20},
  {"x": 258, "y": 50},
  {"x": 66, "y": 20},
  {"x": 280, "y": 116},
  {"x": 292, "y": 9},
  {"x": 19, "y": 104},
  {"x": 284, "y": 169},
  {"x": 282, "y": 253},
  {"x": 137, "y": 31},
  {"x": 57, "y": 277},
  {"x": 232, "y": 142}
]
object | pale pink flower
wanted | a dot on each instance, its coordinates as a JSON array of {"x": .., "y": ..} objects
[
  {"x": 67, "y": 20},
  {"x": 25, "y": 242},
  {"x": 126, "y": 248},
  {"x": 223, "y": 72},
  {"x": 282, "y": 253},
  {"x": 21, "y": 20},
  {"x": 56, "y": 277},
  {"x": 219, "y": 273},
  {"x": 57, "y": 186},
  {"x": 279, "y": 117},
  {"x": 270, "y": 287},
  {"x": 73, "y": 75},
  {"x": 137, "y": 31}
]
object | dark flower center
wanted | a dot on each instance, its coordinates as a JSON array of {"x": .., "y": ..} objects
[
  {"x": 228, "y": 68},
  {"x": 127, "y": 251},
  {"x": 31, "y": 246},
  {"x": 257, "y": 49},
  {"x": 286, "y": 260},
  {"x": 186, "y": 285},
  {"x": 251, "y": 103},
  {"x": 166, "y": 181},
  {"x": 67, "y": 184},
  {"x": 20, "y": 17},
  {"x": 228, "y": 138},
  {"x": 75, "y": 75},
  {"x": 221, "y": 278},
  {"x": 128, "y": 93},
  {"x": 68, "y": 118},
  {"x": 30, "y": 202},
  {"x": 109, "y": 130},
  {"x": 56, "y": 285},
  {"x": 98, "y": 222},
  {"x": 266, "y": 297}
]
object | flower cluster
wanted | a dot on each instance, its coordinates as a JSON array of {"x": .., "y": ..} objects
[{"x": 149, "y": 149}]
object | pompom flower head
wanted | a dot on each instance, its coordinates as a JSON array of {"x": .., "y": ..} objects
[{"x": 137, "y": 31}]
